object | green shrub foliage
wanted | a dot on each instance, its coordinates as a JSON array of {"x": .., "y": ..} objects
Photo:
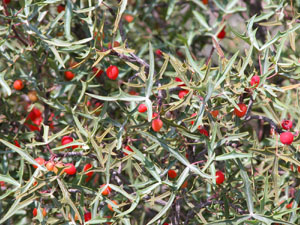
[{"x": 143, "y": 98}]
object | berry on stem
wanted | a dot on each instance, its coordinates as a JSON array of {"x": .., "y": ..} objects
[
  {"x": 142, "y": 108},
  {"x": 86, "y": 168},
  {"x": 70, "y": 169},
  {"x": 222, "y": 34},
  {"x": 128, "y": 18},
  {"x": 255, "y": 81},
  {"x": 158, "y": 52},
  {"x": 287, "y": 124},
  {"x": 106, "y": 191},
  {"x": 129, "y": 149},
  {"x": 242, "y": 111},
  {"x": 112, "y": 72},
  {"x": 66, "y": 140},
  {"x": 69, "y": 75},
  {"x": 40, "y": 161},
  {"x": 220, "y": 177},
  {"x": 110, "y": 207},
  {"x": 215, "y": 113},
  {"x": 286, "y": 138},
  {"x": 87, "y": 216},
  {"x": 182, "y": 93},
  {"x": 177, "y": 79},
  {"x": 157, "y": 124},
  {"x": 60, "y": 8},
  {"x": 172, "y": 174},
  {"x": 18, "y": 85},
  {"x": 97, "y": 71}
]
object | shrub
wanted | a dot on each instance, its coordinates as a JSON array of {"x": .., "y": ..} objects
[{"x": 215, "y": 79}]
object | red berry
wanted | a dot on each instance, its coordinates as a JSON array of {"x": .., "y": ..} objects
[
  {"x": 193, "y": 115},
  {"x": 177, "y": 79},
  {"x": 222, "y": 34},
  {"x": 165, "y": 224},
  {"x": 205, "y": 2},
  {"x": 87, "y": 216},
  {"x": 182, "y": 93},
  {"x": 220, "y": 177},
  {"x": 18, "y": 85},
  {"x": 128, "y": 18},
  {"x": 6, "y": 2},
  {"x": 112, "y": 72},
  {"x": 255, "y": 81},
  {"x": 86, "y": 168},
  {"x": 106, "y": 191},
  {"x": 157, "y": 124},
  {"x": 40, "y": 161},
  {"x": 17, "y": 143},
  {"x": 34, "y": 212},
  {"x": 243, "y": 109},
  {"x": 110, "y": 206},
  {"x": 129, "y": 149},
  {"x": 60, "y": 8},
  {"x": 70, "y": 169},
  {"x": 172, "y": 174},
  {"x": 298, "y": 168},
  {"x": 214, "y": 113},
  {"x": 142, "y": 108},
  {"x": 158, "y": 52},
  {"x": 69, "y": 75},
  {"x": 66, "y": 140},
  {"x": 185, "y": 184},
  {"x": 286, "y": 138},
  {"x": 154, "y": 115},
  {"x": 203, "y": 131},
  {"x": 97, "y": 71},
  {"x": 287, "y": 124},
  {"x": 116, "y": 44},
  {"x": 289, "y": 206}
]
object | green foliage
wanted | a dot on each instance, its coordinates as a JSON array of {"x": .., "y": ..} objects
[{"x": 40, "y": 43}]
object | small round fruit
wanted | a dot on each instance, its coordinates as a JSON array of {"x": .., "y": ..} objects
[
  {"x": 220, "y": 177},
  {"x": 32, "y": 96},
  {"x": 172, "y": 174},
  {"x": 112, "y": 72},
  {"x": 203, "y": 131},
  {"x": 6, "y": 2},
  {"x": 57, "y": 166},
  {"x": 286, "y": 138},
  {"x": 215, "y": 113},
  {"x": 289, "y": 206},
  {"x": 69, "y": 75},
  {"x": 298, "y": 168},
  {"x": 70, "y": 169},
  {"x": 18, "y": 85},
  {"x": 128, "y": 18},
  {"x": 34, "y": 212},
  {"x": 205, "y": 2},
  {"x": 110, "y": 206},
  {"x": 116, "y": 44},
  {"x": 60, "y": 8},
  {"x": 182, "y": 93},
  {"x": 97, "y": 71},
  {"x": 44, "y": 212},
  {"x": 222, "y": 34},
  {"x": 50, "y": 166},
  {"x": 66, "y": 140},
  {"x": 157, "y": 124},
  {"x": 165, "y": 224},
  {"x": 242, "y": 111},
  {"x": 17, "y": 143},
  {"x": 185, "y": 184},
  {"x": 128, "y": 149},
  {"x": 193, "y": 115},
  {"x": 87, "y": 216},
  {"x": 76, "y": 217},
  {"x": 142, "y": 108},
  {"x": 40, "y": 161},
  {"x": 287, "y": 124},
  {"x": 106, "y": 191},
  {"x": 255, "y": 81},
  {"x": 158, "y": 52},
  {"x": 86, "y": 168},
  {"x": 177, "y": 79}
]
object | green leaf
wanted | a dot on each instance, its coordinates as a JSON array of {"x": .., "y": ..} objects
[
  {"x": 23, "y": 154},
  {"x": 122, "y": 96},
  {"x": 68, "y": 20},
  {"x": 6, "y": 88},
  {"x": 193, "y": 63},
  {"x": 201, "y": 20},
  {"x": 232, "y": 155}
]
